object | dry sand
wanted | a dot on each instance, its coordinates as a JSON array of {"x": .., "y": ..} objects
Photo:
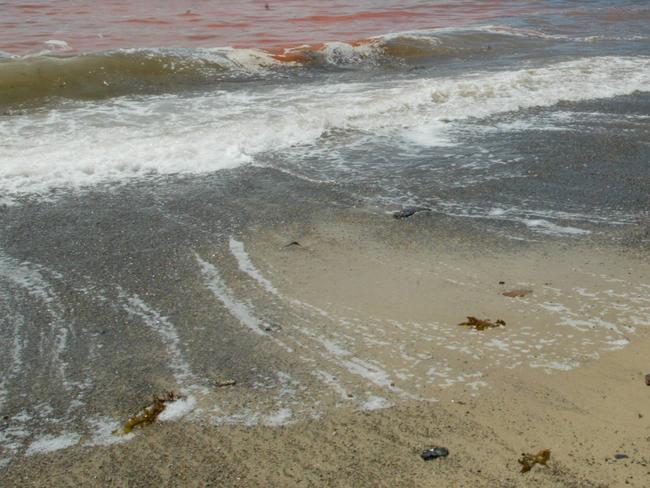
[{"x": 566, "y": 373}]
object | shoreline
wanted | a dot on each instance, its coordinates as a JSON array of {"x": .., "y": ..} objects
[{"x": 369, "y": 307}]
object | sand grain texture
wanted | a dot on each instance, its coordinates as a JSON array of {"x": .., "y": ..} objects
[{"x": 582, "y": 396}]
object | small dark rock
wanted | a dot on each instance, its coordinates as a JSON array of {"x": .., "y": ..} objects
[
  {"x": 621, "y": 456},
  {"x": 647, "y": 380},
  {"x": 434, "y": 453},
  {"x": 409, "y": 211},
  {"x": 502, "y": 282},
  {"x": 293, "y": 243}
]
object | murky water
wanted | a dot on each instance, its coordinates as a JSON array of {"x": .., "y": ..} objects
[
  {"x": 143, "y": 146},
  {"x": 250, "y": 23}
]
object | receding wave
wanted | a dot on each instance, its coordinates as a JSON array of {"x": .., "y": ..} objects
[{"x": 135, "y": 71}]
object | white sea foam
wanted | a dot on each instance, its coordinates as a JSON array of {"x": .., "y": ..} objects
[
  {"x": 375, "y": 403},
  {"x": 251, "y": 60},
  {"x": 57, "y": 45},
  {"x": 536, "y": 219},
  {"x": 246, "y": 265},
  {"x": 368, "y": 371},
  {"x": 238, "y": 309},
  {"x": 281, "y": 417},
  {"x": 91, "y": 142},
  {"x": 52, "y": 443},
  {"x": 228, "y": 419},
  {"x": 167, "y": 331},
  {"x": 548, "y": 364},
  {"x": 243, "y": 417},
  {"x": 16, "y": 355},
  {"x": 533, "y": 33},
  {"x": 498, "y": 344},
  {"x": 32, "y": 278},
  {"x": 333, "y": 382},
  {"x": 550, "y": 228},
  {"x": 12, "y": 436},
  {"x": 178, "y": 409},
  {"x": 238, "y": 60},
  {"x": 343, "y": 53},
  {"x": 617, "y": 342},
  {"x": 103, "y": 428},
  {"x": 333, "y": 348}
]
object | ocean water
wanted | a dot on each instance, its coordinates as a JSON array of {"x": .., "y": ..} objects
[
  {"x": 410, "y": 103},
  {"x": 139, "y": 139}
]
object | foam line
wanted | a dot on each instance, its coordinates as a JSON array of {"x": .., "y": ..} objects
[
  {"x": 236, "y": 308},
  {"x": 167, "y": 331},
  {"x": 246, "y": 265}
]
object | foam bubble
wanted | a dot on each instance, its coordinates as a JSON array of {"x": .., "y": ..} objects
[
  {"x": 376, "y": 403},
  {"x": 281, "y": 417},
  {"x": 542, "y": 225},
  {"x": 557, "y": 365},
  {"x": 177, "y": 409},
  {"x": 103, "y": 428},
  {"x": 52, "y": 443},
  {"x": 57, "y": 45}
]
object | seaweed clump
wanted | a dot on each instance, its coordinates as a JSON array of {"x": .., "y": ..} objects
[
  {"x": 150, "y": 413},
  {"x": 517, "y": 293},
  {"x": 482, "y": 324},
  {"x": 527, "y": 461}
]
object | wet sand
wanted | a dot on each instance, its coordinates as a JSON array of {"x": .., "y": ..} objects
[
  {"x": 364, "y": 313},
  {"x": 150, "y": 194}
]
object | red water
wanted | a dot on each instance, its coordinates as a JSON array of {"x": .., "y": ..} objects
[{"x": 108, "y": 24}]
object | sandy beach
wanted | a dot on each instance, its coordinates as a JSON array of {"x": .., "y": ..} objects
[
  {"x": 315, "y": 244},
  {"x": 575, "y": 386}
]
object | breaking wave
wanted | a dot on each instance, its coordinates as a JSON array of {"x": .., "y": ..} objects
[
  {"x": 92, "y": 76},
  {"x": 172, "y": 134},
  {"x": 57, "y": 73}
]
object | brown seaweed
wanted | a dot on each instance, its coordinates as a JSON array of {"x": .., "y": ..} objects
[
  {"x": 517, "y": 293},
  {"x": 150, "y": 413},
  {"x": 482, "y": 324},
  {"x": 527, "y": 461}
]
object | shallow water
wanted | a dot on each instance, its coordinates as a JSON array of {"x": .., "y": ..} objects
[{"x": 140, "y": 145}]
